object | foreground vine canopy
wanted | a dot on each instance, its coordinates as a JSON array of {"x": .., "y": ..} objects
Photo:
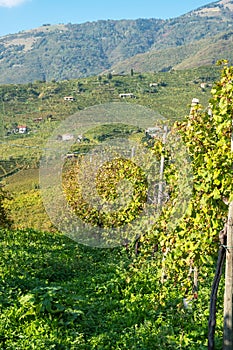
[
  {"x": 107, "y": 196},
  {"x": 207, "y": 135}
]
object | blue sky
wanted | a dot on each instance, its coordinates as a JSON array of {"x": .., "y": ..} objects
[{"x": 17, "y": 15}]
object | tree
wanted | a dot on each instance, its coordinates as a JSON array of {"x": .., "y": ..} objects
[{"x": 109, "y": 76}]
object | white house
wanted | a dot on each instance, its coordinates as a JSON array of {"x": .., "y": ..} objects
[
  {"x": 69, "y": 98},
  {"x": 80, "y": 138},
  {"x": 195, "y": 101},
  {"x": 127, "y": 95},
  {"x": 70, "y": 155},
  {"x": 154, "y": 131},
  {"x": 22, "y": 129}
]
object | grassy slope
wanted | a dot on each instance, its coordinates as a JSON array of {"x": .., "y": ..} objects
[{"x": 56, "y": 294}]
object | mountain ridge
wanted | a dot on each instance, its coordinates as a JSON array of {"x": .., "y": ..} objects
[{"x": 71, "y": 51}]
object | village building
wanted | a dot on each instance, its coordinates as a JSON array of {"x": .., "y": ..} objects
[
  {"x": 69, "y": 98},
  {"x": 127, "y": 95},
  {"x": 154, "y": 131},
  {"x": 80, "y": 138},
  {"x": 70, "y": 156},
  {"x": 203, "y": 85},
  {"x": 22, "y": 129},
  {"x": 195, "y": 101}
]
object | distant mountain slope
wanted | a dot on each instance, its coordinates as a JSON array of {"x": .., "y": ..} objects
[
  {"x": 76, "y": 50},
  {"x": 72, "y": 51},
  {"x": 203, "y": 52}
]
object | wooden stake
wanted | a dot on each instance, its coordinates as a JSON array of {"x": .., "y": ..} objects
[
  {"x": 215, "y": 285},
  {"x": 228, "y": 330},
  {"x": 160, "y": 190}
]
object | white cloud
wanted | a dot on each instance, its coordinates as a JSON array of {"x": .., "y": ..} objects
[{"x": 11, "y": 3}]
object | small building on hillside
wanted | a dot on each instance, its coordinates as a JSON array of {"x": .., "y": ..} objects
[
  {"x": 203, "y": 85},
  {"x": 127, "y": 95},
  {"x": 70, "y": 156},
  {"x": 69, "y": 98},
  {"x": 22, "y": 129},
  {"x": 153, "y": 84},
  {"x": 154, "y": 131},
  {"x": 80, "y": 138},
  {"x": 195, "y": 101}
]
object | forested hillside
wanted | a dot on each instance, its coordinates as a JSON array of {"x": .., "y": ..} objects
[{"x": 69, "y": 51}]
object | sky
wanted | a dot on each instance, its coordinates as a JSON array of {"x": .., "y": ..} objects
[{"x": 18, "y": 15}]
